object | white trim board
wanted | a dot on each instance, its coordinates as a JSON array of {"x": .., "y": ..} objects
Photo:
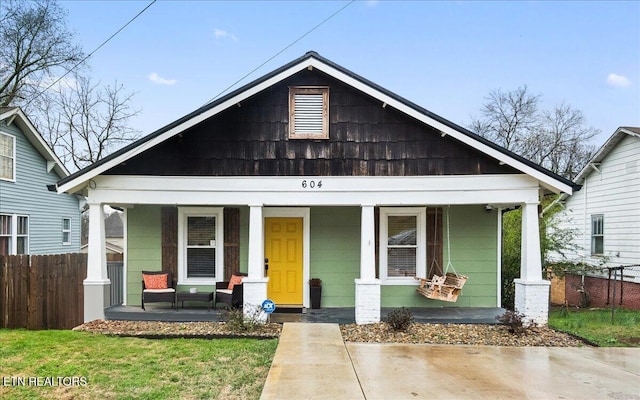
[{"x": 507, "y": 190}]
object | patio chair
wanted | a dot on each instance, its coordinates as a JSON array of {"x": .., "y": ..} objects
[
  {"x": 158, "y": 286},
  {"x": 230, "y": 292}
]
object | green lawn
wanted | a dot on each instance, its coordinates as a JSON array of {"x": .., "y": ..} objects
[
  {"x": 130, "y": 368},
  {"x": 596, "y": 325}
]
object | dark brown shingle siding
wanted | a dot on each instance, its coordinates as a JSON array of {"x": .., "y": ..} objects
[{"x": 365, "y": 140}]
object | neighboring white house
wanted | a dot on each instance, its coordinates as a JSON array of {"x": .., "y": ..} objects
[{"x": 605, "y": 212}]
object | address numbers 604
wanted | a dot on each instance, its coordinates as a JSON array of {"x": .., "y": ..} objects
[{"x": 311, "y": 184}]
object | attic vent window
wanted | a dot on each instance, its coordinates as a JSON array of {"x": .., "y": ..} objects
[{"x": 308, "y": 112}]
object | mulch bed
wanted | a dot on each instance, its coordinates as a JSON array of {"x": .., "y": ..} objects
[
  {"x": 472, "y": 334},
  {"x": 162, "y": 330},
  {"x": 475, "y": 334}
]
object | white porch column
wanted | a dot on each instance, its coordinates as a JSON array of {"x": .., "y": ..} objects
[
  {"x": 97, "y": 283},
  {"x": 255, "y": 285},
  {"x": 532, "y": 292},
  {"x": 367, "y": 287}
]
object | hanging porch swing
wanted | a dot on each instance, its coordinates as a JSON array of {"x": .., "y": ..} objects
[{"x": 448, "y": 286}]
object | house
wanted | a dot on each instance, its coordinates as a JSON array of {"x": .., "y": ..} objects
[
  {"x": 312, "y": 171},
  {"x": 113, "y": 229},
  {"x": 33, "y": 220},
  {"x": 605, "y": 212}
]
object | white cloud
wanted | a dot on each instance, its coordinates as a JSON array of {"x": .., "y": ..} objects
[
  {"x": 56, "y": 83},
  {"x": 155, "y": 78},
  {"x": 616, "y": 80},
  {"x": 222, "y": 34}
]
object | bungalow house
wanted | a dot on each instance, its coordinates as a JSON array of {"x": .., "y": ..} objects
[
  {"x": 312, "y": 171},
  {"x": 605, "y": 216},
  {"x": 33, "y": 220}
]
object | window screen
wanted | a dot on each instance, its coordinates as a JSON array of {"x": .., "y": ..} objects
[
  {"x": 201, "y": 247},
  {"x": 597, "y": 234},
  {"x": 401, "y": 246}
]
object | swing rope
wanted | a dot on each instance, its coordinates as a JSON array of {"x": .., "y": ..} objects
[
  {"x": 449, "y": 265},
  {"x": 435, "y": 258}
]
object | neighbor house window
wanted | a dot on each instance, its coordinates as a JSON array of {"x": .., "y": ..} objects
[
  {"x": 5, "y": 234},
  {"x": 201, "y": 243},
  {"x": 7, "y": 157},
  {"x": 308, "y": 112},
  {"x": 66, "y": 231},
  {"x": 14, "y": 234},
  {"x": 597, "y": 234},
  {"x": 402, "y": 244}
]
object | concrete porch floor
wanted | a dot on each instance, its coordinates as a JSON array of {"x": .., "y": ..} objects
[{"x": 341, "y": 315}]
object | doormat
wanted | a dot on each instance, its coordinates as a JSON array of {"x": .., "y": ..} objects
[{"x": 288, "y": 310}]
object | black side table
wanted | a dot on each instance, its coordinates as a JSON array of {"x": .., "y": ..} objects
[{"x": 199, "y": 296}]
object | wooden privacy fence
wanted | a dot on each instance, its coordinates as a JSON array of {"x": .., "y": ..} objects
[{"x": 42, "y": 292}]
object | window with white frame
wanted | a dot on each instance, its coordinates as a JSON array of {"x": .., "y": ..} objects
[
  {"x": 309, "y": 112},
  {"x": 597, "y": 234},
  {"x": 402, "y": 244},
  {"x": 201, "y": 245},
  {"x": 5, "y": 234},
  {"x": 7, "y": 157},
  {"x": 66, "y": 231},
  {"x": 14, "y": 234}
]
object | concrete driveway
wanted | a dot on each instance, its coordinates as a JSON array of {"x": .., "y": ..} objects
[
  {"x": 312, "y": 362},
  {"x": 393, "y": 371}
]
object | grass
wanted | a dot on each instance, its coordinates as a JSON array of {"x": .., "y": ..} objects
[
  {"x": 132, "y": 368},
  {"x": 595, "y": 325}
]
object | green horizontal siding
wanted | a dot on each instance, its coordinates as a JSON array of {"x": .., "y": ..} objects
[
  {"x": 473, "y": 239},
  {"x": 144, "y": 247},
  {"x": 335, "y": 255}
]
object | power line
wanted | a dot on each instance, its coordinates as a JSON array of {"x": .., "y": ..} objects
[
  {"x": 282, "y": 51},
  {"x": 94, "y": 51}
]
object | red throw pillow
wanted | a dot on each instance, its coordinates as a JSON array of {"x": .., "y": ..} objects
[
  {"x": 235, "y": 280},
  {"x": 156, "y": 281}
]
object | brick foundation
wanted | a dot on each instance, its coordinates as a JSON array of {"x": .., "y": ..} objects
[
  {"x": 532, "y": 300},
  {"x": 596, "y": 288},
  {"x": 367, "y": 302},
  {"x": 254, "y": 293}
]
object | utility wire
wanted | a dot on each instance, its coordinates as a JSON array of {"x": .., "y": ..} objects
[
  {"x": 282, "y": 51},
  {"x": 94, "y": 51}
]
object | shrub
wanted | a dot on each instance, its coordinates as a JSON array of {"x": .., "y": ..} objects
[
  {"x": 400, "y": 319},
  {"x": 514, "y": 321},
  {"x": 238, "y": 321}
]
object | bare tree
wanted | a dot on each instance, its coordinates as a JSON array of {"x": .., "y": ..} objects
[
  {"x": 562, "y": 143},
  {"x": 35, "y": 45},
  {"x": 508, "y": 118},
  {"x": 557, "y": 139},
  {"x": 86, "y": 121}
]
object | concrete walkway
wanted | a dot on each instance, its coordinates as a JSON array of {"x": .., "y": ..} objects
[{"x": 312, "y": 362}]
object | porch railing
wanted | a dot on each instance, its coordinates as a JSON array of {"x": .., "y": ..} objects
[{"x": 115, "y": 273}]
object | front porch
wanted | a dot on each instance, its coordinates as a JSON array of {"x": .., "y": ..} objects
[{"x": 338, "y": 315}]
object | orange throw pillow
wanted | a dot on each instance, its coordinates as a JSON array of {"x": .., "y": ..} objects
[
  {"x": 158, "y": 281},
  {"x": 235, "y": 280}
]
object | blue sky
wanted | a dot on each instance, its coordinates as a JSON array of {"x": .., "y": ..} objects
[{"x": 444, "y": 56}]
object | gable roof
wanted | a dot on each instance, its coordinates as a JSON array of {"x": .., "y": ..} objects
[
  {"x": 606, "y": 148},
  {"x": 549, "y": 180},
  {"x": 15, "y": 115}
]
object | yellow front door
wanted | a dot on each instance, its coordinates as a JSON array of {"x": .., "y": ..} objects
[{"x": 283, "y": 249}]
